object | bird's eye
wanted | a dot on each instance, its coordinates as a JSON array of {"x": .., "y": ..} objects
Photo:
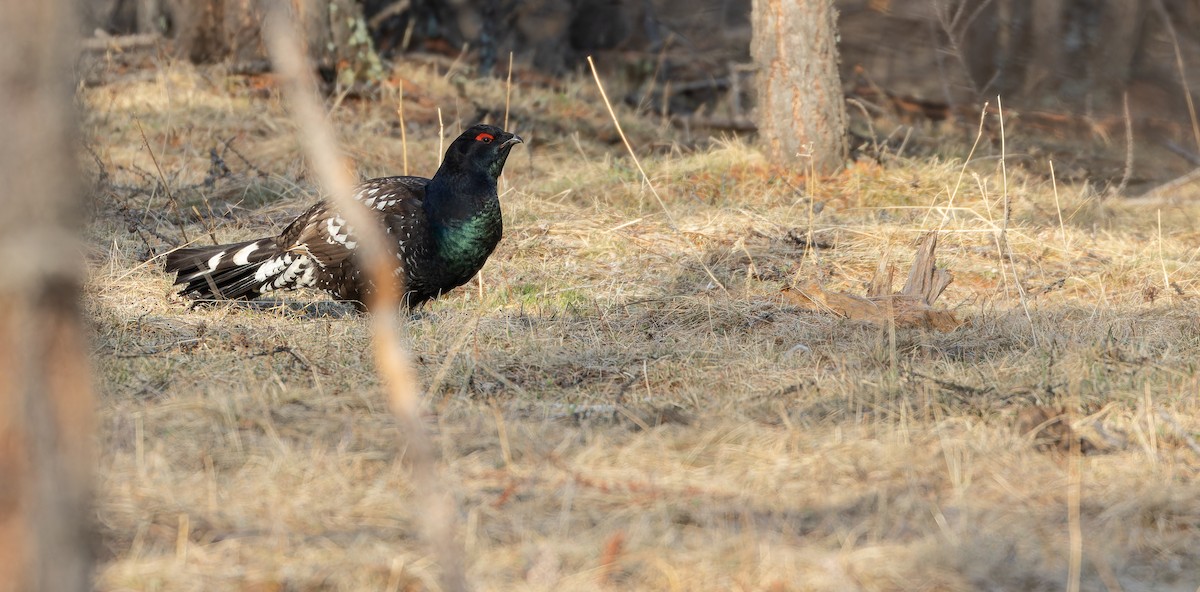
[{"x": 485, "y": 137}]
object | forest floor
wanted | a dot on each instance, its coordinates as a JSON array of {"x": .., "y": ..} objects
[{"x": 627, "y": 397}]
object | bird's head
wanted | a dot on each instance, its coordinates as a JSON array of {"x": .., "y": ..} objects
[{"x": 481, "y": 147}]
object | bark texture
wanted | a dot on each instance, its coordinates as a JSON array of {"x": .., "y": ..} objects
[
  {"x": 800, "y": 110},
  {"x": 45, "y": 397}
]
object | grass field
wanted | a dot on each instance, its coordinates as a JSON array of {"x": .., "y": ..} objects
[{"x": 625, "y": 399}]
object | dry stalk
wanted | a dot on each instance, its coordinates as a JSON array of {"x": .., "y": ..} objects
[
  {"x": 457, "y": 60},
  {"x": 621, "y": 132},
  {"x": 508, "y": 90},
  {"x": 441, "y": 137},
  {"x": 646, "y": 178},
  {"x": 163, "y": 179},
  {"x": 403, "y": 131},
  {"x": 391, "y": 356},
  {"x": 1074, "y": 499},
  {"x": 1012, "y": 260},
  {"x": 962, "y": 170},
  {"x": 1004, "y": 171},
  {"x": 444, "y": 369},
  {"x": 813, "y": 189},
  {"x": 1162, "y": 262},
  {"x": 1058, "y": 208},
  {"x": 1128, "y": 147}
]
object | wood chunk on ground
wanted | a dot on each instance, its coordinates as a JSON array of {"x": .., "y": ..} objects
[
  {"x": 912, "y": 306},
  {"x": 1050, "y": 429}
]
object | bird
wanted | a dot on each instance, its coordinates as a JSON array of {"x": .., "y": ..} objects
[{"x": 443, "y": 228}]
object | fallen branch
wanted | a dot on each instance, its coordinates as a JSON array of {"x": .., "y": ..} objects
[{"x": 912, "y": 306}]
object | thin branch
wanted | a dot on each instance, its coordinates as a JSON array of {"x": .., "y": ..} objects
[{"x": 163, "y": 179}]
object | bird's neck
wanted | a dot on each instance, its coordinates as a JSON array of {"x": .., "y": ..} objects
[
  {"x": 452, "y": 198},
  {"x": 464, "y": 215}
]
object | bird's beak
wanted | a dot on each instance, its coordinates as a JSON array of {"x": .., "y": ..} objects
[{"x": 513, "y": 140}]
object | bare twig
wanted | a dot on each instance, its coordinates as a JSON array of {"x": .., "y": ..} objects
[
  {"x": 229, "y": 146},
  {"x": 1074, "y": 501},
  {"x": 1181, "y": 152},
  {"x": 963, "y": 170},
  {"x": 120, "y": 43},
  {"x": 955, "y": 24},
  {"x": 1187, "y": 90},
  {"x": 508, "y": 90},
  {"x": 1012, "y": 260},
  {"x": 1128, "y": 147},
  {"x": 392, "y": 9},
  {"x": 163, "y": 179},
  {"x": 441, "y": 137},
  {"x": 662, "y": 204},
  {"x": 1162, "y": 262},
  {"x": 392, "y": 358},
  {"x": 403, "y": 132},
  {"x": 1058, "y": 208}
]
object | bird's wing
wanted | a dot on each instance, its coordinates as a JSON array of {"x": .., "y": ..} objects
[{"x": 323, "y": 233}]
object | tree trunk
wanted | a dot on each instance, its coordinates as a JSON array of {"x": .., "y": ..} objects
[
  {"x": 45, "y": 397},
  {"x": 148, "y": 15},
  {"x": 801, "y": 111},
  {"x": 335, "y": 34}
]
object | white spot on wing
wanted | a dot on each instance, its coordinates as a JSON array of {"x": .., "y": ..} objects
[
  {"x": 338, "y": 233},
  {"x": 306, "y": 278},
  {"x": 333, "y": 226},
  {"x": 270, "y": 268},
  {"x": 215, "y": 260},
  {"x": 286, "y": 279},
  {"x": 242, "y": 257}
]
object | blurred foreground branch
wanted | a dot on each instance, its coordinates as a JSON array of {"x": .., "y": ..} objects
[
  {"x": 45, "y": 394},
  {"x": 435, "y": 507}
]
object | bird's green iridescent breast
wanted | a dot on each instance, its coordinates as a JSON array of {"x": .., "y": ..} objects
[{"x": 463, "y": 247}]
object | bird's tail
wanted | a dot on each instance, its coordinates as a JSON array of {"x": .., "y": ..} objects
[{"x": 240, "y": 270}]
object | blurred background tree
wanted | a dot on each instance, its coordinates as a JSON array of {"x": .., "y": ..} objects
[{"x": 801, "y": 113}]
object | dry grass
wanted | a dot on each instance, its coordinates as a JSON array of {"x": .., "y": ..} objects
[{"x": 608, "y": 416}]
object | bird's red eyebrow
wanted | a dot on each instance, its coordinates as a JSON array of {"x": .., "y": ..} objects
[{"x": 484, "y": 135}]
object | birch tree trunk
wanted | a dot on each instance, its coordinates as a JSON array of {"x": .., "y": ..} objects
[
  {"x": 45, "y": 397},
  {"x": 801, "y": 112}
]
